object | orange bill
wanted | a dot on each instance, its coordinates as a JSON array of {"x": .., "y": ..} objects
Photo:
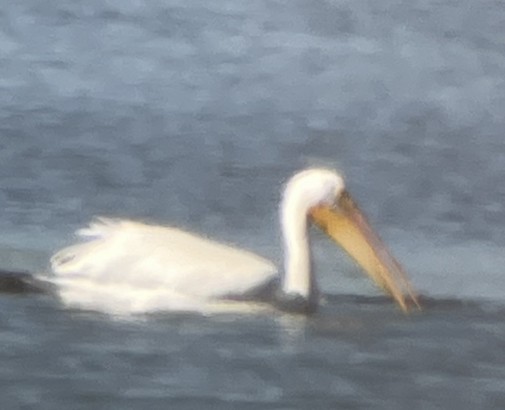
[{"x": 347, "y": 225}]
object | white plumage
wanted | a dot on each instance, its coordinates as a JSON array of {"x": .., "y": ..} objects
[
  {"x": 128, "y": 267},
  {"x": 138, "y": 267}
]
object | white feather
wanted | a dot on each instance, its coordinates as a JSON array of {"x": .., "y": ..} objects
[
  {"x": 127, "y": 266},
  {"x": 131, "y": 266}
]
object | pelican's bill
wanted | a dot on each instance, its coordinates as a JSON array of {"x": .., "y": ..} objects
[{"x": 348, "y": 226}]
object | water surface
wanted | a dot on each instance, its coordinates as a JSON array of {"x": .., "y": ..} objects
[{"x": 194, "y": 113}]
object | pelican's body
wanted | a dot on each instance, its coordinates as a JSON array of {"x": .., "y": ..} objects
[
  {"x": 135, "y": 267},
  {"x": 129, "y": 267}
]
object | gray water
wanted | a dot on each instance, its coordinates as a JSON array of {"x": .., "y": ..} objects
[{"x": 193, "y": 113}]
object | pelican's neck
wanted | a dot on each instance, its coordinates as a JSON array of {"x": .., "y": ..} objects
[{"x": 297, "y": 260}]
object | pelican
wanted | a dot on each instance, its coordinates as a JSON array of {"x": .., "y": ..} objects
[{"x": 132, "y": 267}]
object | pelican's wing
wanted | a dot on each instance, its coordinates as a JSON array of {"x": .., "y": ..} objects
[{"x": 147, "y": 267}]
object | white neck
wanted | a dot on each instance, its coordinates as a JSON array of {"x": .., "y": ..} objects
[
  {"x": 297, "y": 264},
  {"x": 306, "y": 189}
]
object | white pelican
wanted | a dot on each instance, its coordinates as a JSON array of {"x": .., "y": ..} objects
[{"x": 131, "y": 267}]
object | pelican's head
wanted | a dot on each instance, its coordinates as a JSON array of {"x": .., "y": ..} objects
[
  {"x": 313, "y": 187},
  {"x": 320, "y": 196}
]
